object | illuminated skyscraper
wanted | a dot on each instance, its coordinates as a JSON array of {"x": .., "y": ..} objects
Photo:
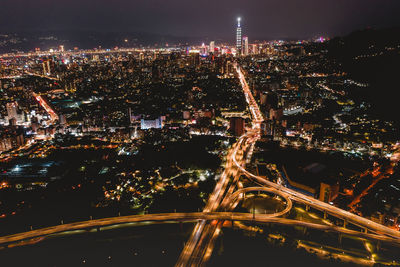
[
  {"x": 245, "y": 45},
  {"x": 46, "y": 67},
  {"x": 194, "y": 58},
  {"x": 238, "y": 37},
  {"x": 12, "y": 110},
  {"x": 203, "y": 49},
  {"x": 212, "y": 47},
  {"x": 141, "y": 57}
]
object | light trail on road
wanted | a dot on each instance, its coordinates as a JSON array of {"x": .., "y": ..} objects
[
  {"x": 46, "y": 107},
  {"x": 184, "y": 217},
  {"x": 200, "y": 245},
  {"x": 212, "y": 205},
  {"x": 299, "y": 197},
  {"x": 251, "y": 137}
]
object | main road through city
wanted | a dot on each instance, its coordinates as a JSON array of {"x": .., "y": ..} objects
[
  {"x": 227, "y": 193},
  {"x": 199, "y": 247},
  {"x": 299, "y": 197},
  {"x": 46, "y": 107}
]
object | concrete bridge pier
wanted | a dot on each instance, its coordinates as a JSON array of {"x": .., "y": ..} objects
[{"x": 325, "y": 215}]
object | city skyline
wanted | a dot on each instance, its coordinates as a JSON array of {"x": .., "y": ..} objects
[{"x": 182, "y": 153}]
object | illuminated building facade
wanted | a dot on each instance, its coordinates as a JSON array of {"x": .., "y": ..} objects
[
  {"x": 12, "y": 110},
  {"x": 212, "y": 47},
  {"x": 151, "y": 124},
  {"x": 245, "y": 45},
  {"x": 238, "y": 37}
]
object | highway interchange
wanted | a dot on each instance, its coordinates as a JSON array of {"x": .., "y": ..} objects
[
  {"x": 199, "y": 247},
  {"x": 227, "y": 194}
]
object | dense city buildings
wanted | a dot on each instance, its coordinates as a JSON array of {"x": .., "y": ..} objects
[{"x": 277, "y": 145}]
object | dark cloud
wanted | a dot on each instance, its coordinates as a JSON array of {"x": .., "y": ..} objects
[{"x": 208, "y": 18}]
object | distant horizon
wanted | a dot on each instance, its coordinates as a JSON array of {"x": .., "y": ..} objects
[
  {"x": 193, "y": 133},
  {"x": 175, "y": 36},
  {"x": 76, "y": 38}
]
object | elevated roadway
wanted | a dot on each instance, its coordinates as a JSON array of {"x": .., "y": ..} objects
[
  {"x": 294, "y": 195},
  {"x": 225, "y": 197},
  {"x": 206, "y": 238},
  {"x": 185, "y": 217}
]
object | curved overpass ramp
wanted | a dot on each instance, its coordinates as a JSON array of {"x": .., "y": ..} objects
[{"x": 245, "y": 217}]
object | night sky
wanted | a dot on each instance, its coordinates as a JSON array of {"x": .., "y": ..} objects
[{"x": 203, "y": 18}]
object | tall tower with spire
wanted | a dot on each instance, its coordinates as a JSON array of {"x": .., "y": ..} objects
[{"x": 238, "y": 37}]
